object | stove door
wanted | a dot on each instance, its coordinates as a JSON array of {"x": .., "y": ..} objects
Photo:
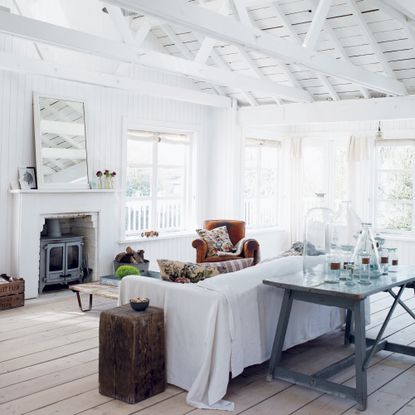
[
  {"x": 55, "y": 261},
  {"x": 73, "y": 257}
]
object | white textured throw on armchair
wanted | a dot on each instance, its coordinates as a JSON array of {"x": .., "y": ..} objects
[{"x": 226, "y": 323}]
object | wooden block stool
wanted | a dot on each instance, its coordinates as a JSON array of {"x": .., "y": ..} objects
[{"x": 131, "y": 353}]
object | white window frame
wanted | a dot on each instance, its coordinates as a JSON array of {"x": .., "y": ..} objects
[
  {"x": 375, "y": 180},
  {"x": 259, "y": 143},
  {"x": 192, "y": 131}
]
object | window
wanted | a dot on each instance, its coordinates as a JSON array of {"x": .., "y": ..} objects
[
  {"x": 261, "y": 182},
  {"x": 325, "y": 171},
  {"x": 394, "y": 186},
  {"x": 158, "y": 182}
]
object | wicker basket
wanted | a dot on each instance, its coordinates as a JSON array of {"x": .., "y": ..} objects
[{"x": 12, "y": 294}]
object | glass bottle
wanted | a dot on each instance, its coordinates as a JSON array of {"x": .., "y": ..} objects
[
  {"x": 317, "y": 241},
  {"x": 384, "y": 261},
  {"x": 366, "y": 244},
  {"x": 393, "y": 259},
  {"x": 364, "y": 271}
]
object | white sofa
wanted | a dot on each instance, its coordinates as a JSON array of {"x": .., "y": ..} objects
[{"x": 226, "y": 323}]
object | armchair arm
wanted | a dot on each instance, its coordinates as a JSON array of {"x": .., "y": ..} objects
[
  {"x": 201, "y": 249},
  {"x": 251, "y": 250}
]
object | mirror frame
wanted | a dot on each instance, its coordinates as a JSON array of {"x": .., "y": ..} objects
[{"x": 38, "y": 145}]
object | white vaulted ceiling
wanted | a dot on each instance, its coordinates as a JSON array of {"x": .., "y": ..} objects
[{"x": 354, "y": 48}]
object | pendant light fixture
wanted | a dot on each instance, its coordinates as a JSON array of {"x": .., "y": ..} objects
[{"x": 379, "y": 133}]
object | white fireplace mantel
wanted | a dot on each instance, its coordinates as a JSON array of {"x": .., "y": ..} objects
[{"x": 31, "y": 207}]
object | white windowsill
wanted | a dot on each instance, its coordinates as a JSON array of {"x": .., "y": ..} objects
[
  {"x": 175, "y": 235},
  {"x": 398, "y": 237},
  {"x": 186, "y": 234}
]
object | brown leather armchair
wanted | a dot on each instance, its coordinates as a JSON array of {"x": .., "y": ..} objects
[{"x": 236, "y": 230}]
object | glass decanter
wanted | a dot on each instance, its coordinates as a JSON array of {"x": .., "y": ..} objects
[
  {"x": 366, "y": 245},
  {"x": 317, "y": 241}
]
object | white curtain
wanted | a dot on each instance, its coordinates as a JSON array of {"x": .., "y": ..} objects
[
  {"x": 295, "y": 189},
  {"x": 359, "y": 182}
]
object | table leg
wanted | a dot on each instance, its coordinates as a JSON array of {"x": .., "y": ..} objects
[
  {"x": 360, "y": 354},
  {"x": 348, "y": 328},
  {"x": 280, "y": 333},
  {"x": 78, "y": 297}
]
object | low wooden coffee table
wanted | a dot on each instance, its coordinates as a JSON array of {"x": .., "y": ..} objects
[
  {"x": 107, "y": 287},
  {"x": 93, "y": 288}
]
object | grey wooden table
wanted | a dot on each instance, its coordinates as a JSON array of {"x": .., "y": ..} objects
[{"x": 351, "y": 298}]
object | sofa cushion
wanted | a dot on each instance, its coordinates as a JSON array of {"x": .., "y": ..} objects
[
  {"x": 217, "y": 240},
  {"x": 230, "y": 266},
  {"x": 184, "y": 272}
]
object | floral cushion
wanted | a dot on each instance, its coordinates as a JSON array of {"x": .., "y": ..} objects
[
  {"x": 230, "y": 266},
  {"x": 217, "y": 240},
  {"x": 184, "y": 272}
]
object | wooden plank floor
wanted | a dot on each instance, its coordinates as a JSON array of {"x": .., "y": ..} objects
[{"x": 49, "y": 352}]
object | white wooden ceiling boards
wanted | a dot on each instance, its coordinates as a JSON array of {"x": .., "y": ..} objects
[{"x": 258, "y": 52}]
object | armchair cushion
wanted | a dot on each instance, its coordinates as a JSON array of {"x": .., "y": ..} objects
[
  {"x": 217, "y": 240},
  {"x": 230, "y": 266}
]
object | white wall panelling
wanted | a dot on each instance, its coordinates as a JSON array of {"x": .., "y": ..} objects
[{"x": 105, "y": 108}]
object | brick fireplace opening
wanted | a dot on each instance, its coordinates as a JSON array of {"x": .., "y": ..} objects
[{"x": 68, "y": 249}]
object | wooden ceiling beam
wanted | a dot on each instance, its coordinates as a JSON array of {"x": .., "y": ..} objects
[
  {"x": 223, "y": 28},
  {"x": 83, "y": 42},
  {"x": 317, "y": 24}
]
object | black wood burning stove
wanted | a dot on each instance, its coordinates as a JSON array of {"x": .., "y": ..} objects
[{"x": 61, "y": 260}]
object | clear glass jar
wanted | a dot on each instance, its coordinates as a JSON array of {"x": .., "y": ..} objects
[
  {"x": 317, "y": 241},
  {"x": 364, "y": 271},
  {"x": 384, "y": 261},
  {"x": 393, "y": 259},
  {"x": 366, "y": 244},
  {"x": 334, "y": 267}
]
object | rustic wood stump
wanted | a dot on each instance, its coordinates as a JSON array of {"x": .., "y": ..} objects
[{"x": 131, "y": 353}]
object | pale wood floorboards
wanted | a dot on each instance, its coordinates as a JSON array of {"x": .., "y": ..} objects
[{"x": 49, "y": 352}]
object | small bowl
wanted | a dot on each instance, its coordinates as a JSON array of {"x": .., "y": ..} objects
[{"x": 139, "y": 306}]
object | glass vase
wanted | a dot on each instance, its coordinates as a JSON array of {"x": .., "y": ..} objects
[
  {"x": 317, "y": 241},
  {"x": 366, "y": 246}
]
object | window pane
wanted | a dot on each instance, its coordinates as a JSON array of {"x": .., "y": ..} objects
[
  {"x": 269, "y": 157},
  {"x": 170, "y": 182},
  {"x": 138, "y": 216},
  {"x": 395, "y": 157},
  {"x": 138, "y": 182},
  {"x": 268, "y": 182},
  {"x": 139, "y": 152},
  {"x": 395, "y": 185},
  {"x": 268, "y": 211},
  {"x": 394, "y": 216},
  {"x": 340, "y": 180},
  {"x": 314, "y": 178},
  {"x": 251, "y": 157},
  {"x": 170, "y": 214},
  {"x": 174, "y": 154},
  {"x": 250, "y": 183}
]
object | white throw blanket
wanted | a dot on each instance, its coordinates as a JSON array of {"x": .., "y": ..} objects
[{"x": 224, "y": 324}]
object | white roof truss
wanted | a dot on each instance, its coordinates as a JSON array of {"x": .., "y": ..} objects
[
  {"x": 83, "y": 42},
  {"x": 323, "y": 79},
  {"x": 371, "y": 39},
  {"x": 223, "y": 28}
]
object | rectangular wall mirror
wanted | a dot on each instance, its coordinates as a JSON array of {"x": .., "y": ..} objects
[{"x": 61, "y": 143}]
